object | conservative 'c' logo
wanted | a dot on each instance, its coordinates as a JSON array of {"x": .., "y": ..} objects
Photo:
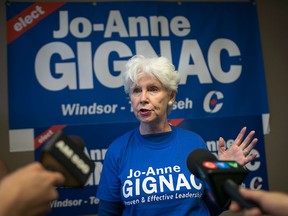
[{"x": 211, "y": 102}]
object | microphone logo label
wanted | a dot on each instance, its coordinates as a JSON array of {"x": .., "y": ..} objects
[{"x": 220, "y": 164}]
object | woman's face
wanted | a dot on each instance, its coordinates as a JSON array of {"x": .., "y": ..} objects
[{"x": 149, "y": 100}]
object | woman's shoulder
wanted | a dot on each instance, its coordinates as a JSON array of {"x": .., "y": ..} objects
[
  {"x": 122, "y": 140},
  {"x": 190, "y": 137},
  {"x": 182, "y": 132}
]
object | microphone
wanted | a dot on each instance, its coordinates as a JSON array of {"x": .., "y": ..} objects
[
  {"x": 221, "y": 177},
  {"x": 65, "y": 154}
]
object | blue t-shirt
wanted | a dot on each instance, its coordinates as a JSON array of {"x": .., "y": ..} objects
[{"x": 151, "y": 177}]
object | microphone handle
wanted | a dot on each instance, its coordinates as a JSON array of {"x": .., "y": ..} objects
[{"x": 232, "y": 189}]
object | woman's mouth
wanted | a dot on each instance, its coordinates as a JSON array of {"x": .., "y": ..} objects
[{"x": 145, "y": 112}]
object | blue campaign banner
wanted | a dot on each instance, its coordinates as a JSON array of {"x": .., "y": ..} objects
[
  {"x": 84, "y": 202},
  {"x": 65, "y": 60}
]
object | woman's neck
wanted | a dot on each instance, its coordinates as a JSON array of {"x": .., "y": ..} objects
[{"x": 154, "y": 128}]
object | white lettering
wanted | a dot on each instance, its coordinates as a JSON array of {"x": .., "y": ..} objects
[
  {"x": 115, "y": 24},
  {"x": 66, "y": 203},
  {"x": 199, "y": 68},
  {"x": 94, "y": 109},
  {"x": 127, "y": 189},
  {"x": 183, "y": 104},
  {"x": 158, "y": 183},
  {"x": 168, "y": 183},
  {"x": 66, "y": 72},
  {"x": 74, "y": 158},
  {"x": 65, "y": 149},
  {"x": 182, "y": 182},
  {"x": 101, "y": 64},
  {"x": 80, "y": 23},
  {"x": 44, "y": 137},
  {"x": 80, "y": 164},
  {"x": 24, "y": 22},
  {"x": 180, "y": 26},
  {"x": 154, "y": 26},
  {"x": 152, "y": 186},
  {"x": 63, "y": 25},
  {"x": 214, "y": 60}
]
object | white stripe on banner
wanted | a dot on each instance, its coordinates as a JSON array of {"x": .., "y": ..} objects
[
  {"x": 266, "y": 123},
  {"x": 21, "y": 140}
]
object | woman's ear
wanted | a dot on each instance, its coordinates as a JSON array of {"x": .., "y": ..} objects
[{"x": 172, "y": 98}]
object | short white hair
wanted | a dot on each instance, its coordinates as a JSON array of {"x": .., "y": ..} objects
[{"x": 159, "y": 67}]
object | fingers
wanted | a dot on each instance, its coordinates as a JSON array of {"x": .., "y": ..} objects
[
  {"x": 35, "y": 165},
  {"x": 250, "y": 146},
  {"x": 243, "y": 144},
  {"x": 252, "y": 195},
  {"x": 248, "y": 149},
  {"x": 251, "y": 157},
  {"x": 235, "y": 207},
  {"x": 247, "y": 140},
  {"x": 51, "y": 194},
  {"x": 248, "y": 194},
  {"x": 57, "y": 178},
  {"x": 240, "y": 136},
  {"x": 221, "y": 145},
  {"x": 240, "y": 150},
  {"x": 247, "y": 144},
  {"x": 54, "y": 178},
  {"x": 253, "y": 212}
]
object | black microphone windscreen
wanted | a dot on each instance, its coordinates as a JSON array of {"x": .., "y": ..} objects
[
  {"x": 197, "y": 157},
  {"x": 204, "y": 165},
  {"x": 77, "y": 141},
  {"x": 65, "y": 154}
]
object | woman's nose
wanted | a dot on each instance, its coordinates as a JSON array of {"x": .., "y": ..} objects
[{"x": 143, "y": 97}]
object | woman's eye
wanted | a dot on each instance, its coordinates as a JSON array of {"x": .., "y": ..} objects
[
  {"x": 154, "y": 89},
  {"x": 136, "y": 90}
]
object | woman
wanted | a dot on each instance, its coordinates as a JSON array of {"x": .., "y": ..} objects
[{"x": 145, "y": 169}]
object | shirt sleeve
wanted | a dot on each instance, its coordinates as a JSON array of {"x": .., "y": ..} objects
[
  {"x": 110, "y": 208},
  {"x": 109, "y": 185}
]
